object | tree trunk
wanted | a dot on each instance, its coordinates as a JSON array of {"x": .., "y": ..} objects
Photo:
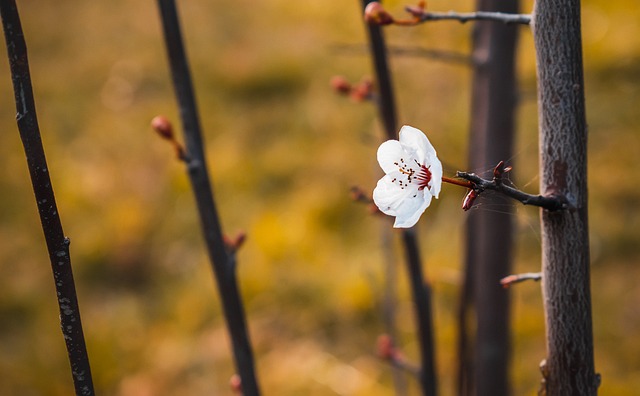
[
  {"x": 569, "y": 367},
  {"x": 489, "y": 233}
]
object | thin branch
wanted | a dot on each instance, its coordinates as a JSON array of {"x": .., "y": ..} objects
[
  {"x": 222, "y": 261},
  {"x": 375, "y": 14},
  {"x": 426, "y": 16},
  {"x": 551, "y": 203},
  {"x": 57, "y": 243},
  {"x": 513, "y": 279}
]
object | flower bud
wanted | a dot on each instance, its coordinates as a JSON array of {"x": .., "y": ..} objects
[
  {"x": 375, "y": 14},
  {"x": 236, "y": 384},
  {"x": 340, "y": 85},
  {"x": 162, "y": 126},
  {"x": 386, "y": 349}
]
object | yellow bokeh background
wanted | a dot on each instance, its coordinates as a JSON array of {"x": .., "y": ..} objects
[{"x": 283, "y": 151}]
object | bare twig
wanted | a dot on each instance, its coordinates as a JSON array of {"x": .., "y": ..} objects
[
  {"x": 223, "y": 261},
  {"x": 427, "y": 16},
  {"x": 57, "y": 243},
  {"x": 512, "y": 279}
]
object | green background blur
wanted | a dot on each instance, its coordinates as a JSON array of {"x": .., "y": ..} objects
[{"x": 284, "y": 151}]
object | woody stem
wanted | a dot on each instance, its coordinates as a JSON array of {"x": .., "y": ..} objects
[{"x": 458, "y": 182}]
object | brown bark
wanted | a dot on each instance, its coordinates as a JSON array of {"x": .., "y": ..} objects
[
  {"x": 569, "y": 368},
  {"x": 489, "y": 233}
]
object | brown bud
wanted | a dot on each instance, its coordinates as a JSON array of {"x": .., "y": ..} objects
[
  {"x": 469, "y": 200},
  {"x": 233, "y": 244},
  {"x": 163, "y": 127},
  {"x": 362, "y": 91},
  {"x": 236, "y": 384},
  {"x": 375, "y": 14},
  {"x": 386, "y": 350},
  {"x": 340, "y": 85}
]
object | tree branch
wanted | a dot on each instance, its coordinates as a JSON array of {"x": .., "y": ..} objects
[
  {"x": 375, "y": 14},
  {"x": 513, "y": 279},
  {"x": 478, "y": 185},
  {"x": 222, "y": 261},
  {"x": 427, "y": 16},
  {"x": 57, "y": 243}
]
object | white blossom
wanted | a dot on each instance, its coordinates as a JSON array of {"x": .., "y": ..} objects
[{"x": 413, "y": 175}]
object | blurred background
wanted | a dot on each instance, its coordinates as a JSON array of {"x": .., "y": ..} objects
[{"x": 284, "y": 151}]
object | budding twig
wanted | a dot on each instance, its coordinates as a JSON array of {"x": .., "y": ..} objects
[
  {"x": 222, "y": 260},
  {"x": 478, "y": 184},
  {"x": 377, "y": 15},
  {"x": 57, "y": 243}
]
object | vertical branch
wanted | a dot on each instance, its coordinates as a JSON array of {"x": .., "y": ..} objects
[
  {"x": 421, "y": 291},
  {"x": 489, "y": 233},
  {"x": 569, "y": 368},
  {"x": 222, "y": 261},
  {"x": 57, "y": 243}
]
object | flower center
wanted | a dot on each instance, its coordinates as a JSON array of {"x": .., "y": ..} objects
[{"x": 418, "y": 173}]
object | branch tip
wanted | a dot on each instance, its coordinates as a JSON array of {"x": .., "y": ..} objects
[
  {"x": 163, "y": 127},
  {"x": 512, "y": 279},
  {"x": 478, "y": 184}
]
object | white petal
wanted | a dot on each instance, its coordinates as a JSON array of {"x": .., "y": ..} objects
[
  {"x": 389, "y": 154},
  {"x": 388, "y": 196},
  {"x": 411, "y": 209},
  {"x": 435, "y": 167},
  {"x": 416, "y": 142},
  {"x": 405, "y": 204}
]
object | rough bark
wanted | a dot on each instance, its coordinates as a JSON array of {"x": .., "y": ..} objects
[
  {"x": 489, "y": 233},
  {"x": 569, "y": 367}
]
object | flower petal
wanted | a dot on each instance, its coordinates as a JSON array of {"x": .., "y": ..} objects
[
  {"x": 407, "y": 205},
  {"x": 388, "y": 196},
  {"x": 389, "y": 154},
  {"x": 436, "y": 175},
  {"x": 411, "y": 209},
  {"x": 416, "y": 142}
]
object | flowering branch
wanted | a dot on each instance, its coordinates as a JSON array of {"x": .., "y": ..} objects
[
  {"x": 420, "y": 288},
  {"x": 222, "y": 259},
  {"x": 57, "y": 243},
  {"x": 478, "y": 185}
]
